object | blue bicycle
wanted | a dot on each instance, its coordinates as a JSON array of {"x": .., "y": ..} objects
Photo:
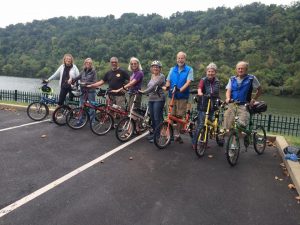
[{"x": 39, "y": 110}]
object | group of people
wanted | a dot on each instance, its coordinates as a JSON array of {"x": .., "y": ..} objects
[{"x": 239, "y": 88}]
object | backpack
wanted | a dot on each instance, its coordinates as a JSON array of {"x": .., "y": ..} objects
[{"x": 292, "y": 150}]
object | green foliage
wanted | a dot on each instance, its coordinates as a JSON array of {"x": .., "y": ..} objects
[{"x": 266, "y": 36}]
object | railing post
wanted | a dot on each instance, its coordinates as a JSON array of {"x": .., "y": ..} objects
[
  {"x": 269, "y": 123},
  {"x": 16, "y": 95}
]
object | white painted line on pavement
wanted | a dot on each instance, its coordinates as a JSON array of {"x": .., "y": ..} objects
[
  {"x": 59, "y": 181},
  {"x": 24, "y": 125}
]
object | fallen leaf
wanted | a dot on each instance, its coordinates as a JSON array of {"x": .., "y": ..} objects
[
  {"x": 291, "y": 186},
  {"x": 43, "y": 136},
  {"x": 286, "y": 173}
]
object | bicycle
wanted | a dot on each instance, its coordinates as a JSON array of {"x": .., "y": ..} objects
[
  {"x": 116, "y": 111},
  {"x": 164, "y": 132},
  {"x": 138, "y": 120},
  {"x": 39, "y": 110},
  {"x": 60, "y": 113},
  {"x": 100, "y": 122},
  {"x": 210, "y": 128},
  {"x": 256, "y": 136}
]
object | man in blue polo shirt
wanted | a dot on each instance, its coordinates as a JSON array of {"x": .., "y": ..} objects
[{"x": 239, "y": 88}]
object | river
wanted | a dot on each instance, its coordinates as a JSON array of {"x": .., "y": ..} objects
[{"x": 279, "y": 105}]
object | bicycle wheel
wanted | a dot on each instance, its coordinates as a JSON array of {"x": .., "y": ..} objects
[
  {"x": 233, "y": 148},
  {"x": 77, "y": 118},
  {"x": 125, "y": 129},
  {"x": 201, "y": 143},
  {"x": 220, "y": 137},
  {"x": 59, "y": 115},
  {"x": 259, "y": 140},
  {"x": 102, "y": 123},
  {"x": 163, "y": 134},
  {"x": 37, "y": 111}
]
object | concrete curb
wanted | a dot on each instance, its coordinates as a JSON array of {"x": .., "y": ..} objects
[{"x": 293, "y": 167}]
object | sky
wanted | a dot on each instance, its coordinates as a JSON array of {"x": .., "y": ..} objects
[{"x": 23, "y": 11}]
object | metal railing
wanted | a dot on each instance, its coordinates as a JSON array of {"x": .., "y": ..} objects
[{"x": 273, "y": 123}]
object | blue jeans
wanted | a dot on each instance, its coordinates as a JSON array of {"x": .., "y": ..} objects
[
  {"x": 156, "y": 109},
  {"x": 91, "y": 98},
  {"x": 200, "y": 123}
]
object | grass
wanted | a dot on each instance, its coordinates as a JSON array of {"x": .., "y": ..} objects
[
  {"x": 14, "y": 103},
  {"x": 295, "y": 141}
]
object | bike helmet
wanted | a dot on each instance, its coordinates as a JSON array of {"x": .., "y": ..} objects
[
  {"x": 76, "y": 92},
  {"x": 156, "y": 63},
  {"x": 46, "y": 89}
]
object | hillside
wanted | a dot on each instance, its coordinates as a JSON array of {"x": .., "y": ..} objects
[{"x": 266, "y": 36}]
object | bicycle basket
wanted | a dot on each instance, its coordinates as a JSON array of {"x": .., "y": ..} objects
[
  {"x": 46, "y": 89},
  {"x": 258, "y": 107}
]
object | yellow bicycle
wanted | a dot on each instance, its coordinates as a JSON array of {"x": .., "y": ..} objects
[{"x": 210, "y": 128}]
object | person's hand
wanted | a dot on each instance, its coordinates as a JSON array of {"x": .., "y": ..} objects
[
  {"x": 227, "y": 100},
  {"x": 140, "y": 91},
  {"x": 252, "y": 102},
  {"x": 89, "y": 86},
  {"x": 165, "y": 88},
  {"x": 116, "y": 91},
  {"x": 70, "y": 81}
]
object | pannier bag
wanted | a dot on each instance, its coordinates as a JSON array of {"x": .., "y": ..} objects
[{"x": 258, "y": 107}]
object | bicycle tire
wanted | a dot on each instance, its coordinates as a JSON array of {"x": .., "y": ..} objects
[
  {"x": 102, "y": 123},
  {"x": 125, "y": 129},
  {"x": 77, "y": 118},
  {"x": 232, "y": 148},
  {"x": 37, "y": 111},
  {"x": 163, "y": 134},
  {"x": 60, "y": 113},
  {"x": 201, "y": 144},
  {"x": 259, "y": 140}
]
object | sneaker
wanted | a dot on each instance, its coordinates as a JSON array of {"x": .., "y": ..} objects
[
  {"x": 151, "y": 140},
  {"x": 179, "y": 140},
  {"x": 150, "y": 136},
  {"x": 79, "y": 123}
]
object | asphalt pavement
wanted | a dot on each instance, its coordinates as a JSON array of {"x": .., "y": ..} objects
[{"x": 55, "y": 175}]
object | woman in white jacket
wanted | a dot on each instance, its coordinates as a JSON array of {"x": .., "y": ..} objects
[{"x": 66, "y": 72}]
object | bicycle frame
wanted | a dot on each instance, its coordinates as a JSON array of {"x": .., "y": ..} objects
[
  {"x": 109, "y": 106},
  {"x": 171, "y": 118}
]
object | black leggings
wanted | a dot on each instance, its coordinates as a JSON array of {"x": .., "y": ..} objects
[{"x": 63, "y": 93}]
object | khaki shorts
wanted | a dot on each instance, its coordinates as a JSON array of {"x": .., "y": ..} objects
[
  {"x": 180, "y": 107},
  {"x": 229, "y": 114}
]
